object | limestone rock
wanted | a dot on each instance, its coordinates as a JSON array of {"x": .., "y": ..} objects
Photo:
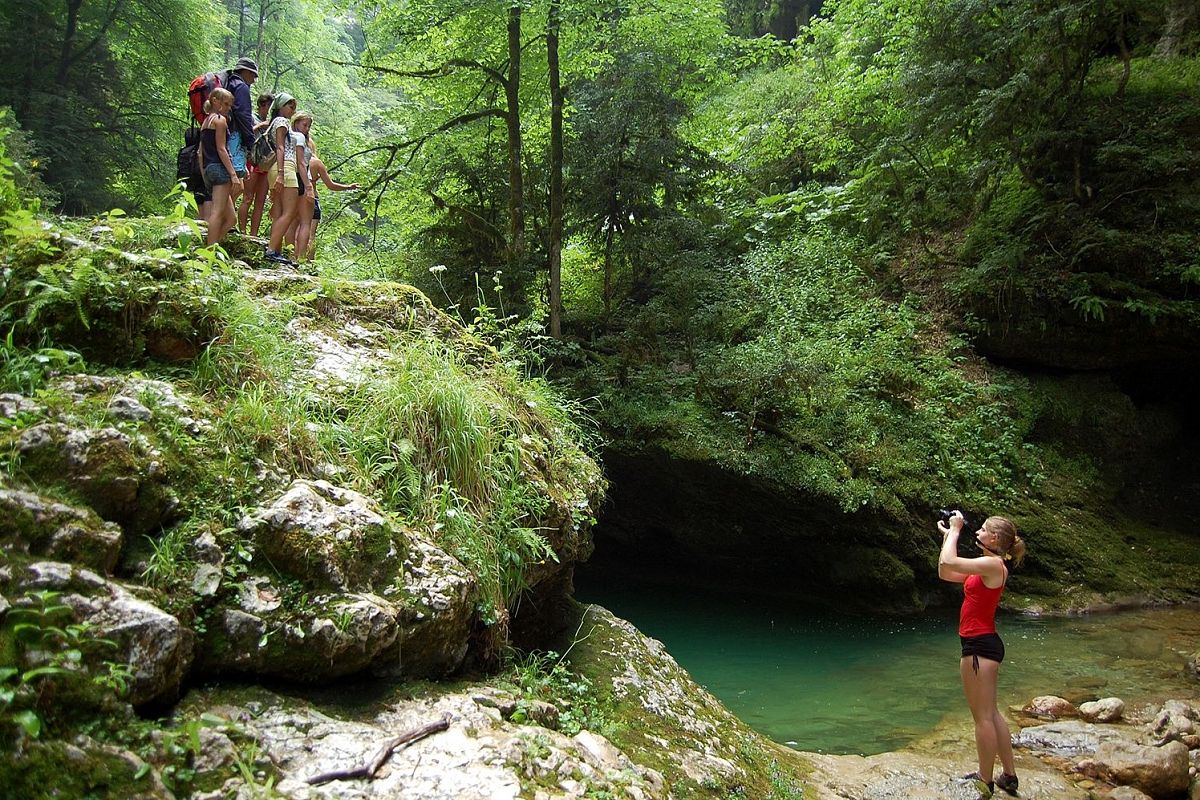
[
  {"x": 1160, "y": 772},
  {"x": 1175, "y": 720},
  {"x": 327, "y": 536},
  {"x": 1108, "y": 709},
  {"x": 81, "y": 768},
  {"x": 1193, "y": 665},
  {"x": 1068, "y": 737},
  {"x": 328, "y": 636},
  {"x": 1050, "y": 707},
  {"x": 43, "y": 527},
  {"x": 437, "y": 610},
  {"x": 1127, "y": 793},
  {"x": 105, "y": 468},
  {"x": 155, "y": 646},
  {"x": 479, "y": 757},
  {"x": 12, "y": 405}
]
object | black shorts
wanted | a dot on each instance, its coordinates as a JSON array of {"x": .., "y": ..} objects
[
  {"x": 987, "y": 646},
  {"x": 316, "y": 209}
]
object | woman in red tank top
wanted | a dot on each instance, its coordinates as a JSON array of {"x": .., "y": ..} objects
[{"x": 983, "y": 580}]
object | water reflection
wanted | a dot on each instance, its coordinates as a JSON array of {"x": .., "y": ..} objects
[{"x": 841, "y": 684}]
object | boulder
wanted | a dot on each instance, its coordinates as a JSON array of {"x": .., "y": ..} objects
[
  {"x": 104, "y": 467},
  {"x": 80, "y": 768},
  {"x": 153, "y": 644},
  {"x": 1050, "y": 707},
  {"x": 1108, "y": 709},
  {"x": 1176, "y": 720},
  {"x": 1192, "y": 665},
  {"x": 46, "y": 528},
  {"x": 313, "y": 640},
  {"x": 1161, "y": 772},
  {"x": 1068, "y": 737},
  {"x": 327, "y": 537},
  {"x": 1127, "y": 793},
  {"x": 436, "y": 599}
]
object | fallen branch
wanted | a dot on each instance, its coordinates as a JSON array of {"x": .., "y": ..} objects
[{"x": 380, "y": 758}]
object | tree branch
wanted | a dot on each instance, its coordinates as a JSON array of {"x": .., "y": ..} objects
[
  {"x": 381, "y": 756},
  {"x": 433, "y": 72}
]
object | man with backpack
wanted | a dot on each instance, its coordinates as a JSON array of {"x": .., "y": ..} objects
[{"x": 241, "y": 128}]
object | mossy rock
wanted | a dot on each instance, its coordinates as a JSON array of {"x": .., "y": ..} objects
[{"x": 57, "y": 769}]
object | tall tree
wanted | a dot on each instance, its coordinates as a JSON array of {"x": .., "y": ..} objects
[{"x": 553, "y": 26}]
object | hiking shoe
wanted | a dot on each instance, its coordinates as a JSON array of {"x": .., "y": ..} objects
[
  {"x": 1008, "y": 783},
  {"x": 278, "y": 258},
  {"x": 976, "y": 780}
]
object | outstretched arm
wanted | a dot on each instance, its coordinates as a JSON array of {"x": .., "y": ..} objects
[{"x": 319, "y": 170}]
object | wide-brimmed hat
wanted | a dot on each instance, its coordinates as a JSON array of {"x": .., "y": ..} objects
[
  {"x": 281, "y": 100},
  {"x": 246, "y": 64}
]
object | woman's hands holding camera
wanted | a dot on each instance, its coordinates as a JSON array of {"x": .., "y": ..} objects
[{"x": 952, "y": 524}]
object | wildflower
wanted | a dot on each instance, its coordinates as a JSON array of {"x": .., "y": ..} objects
[{"x": 436, "y": 268}]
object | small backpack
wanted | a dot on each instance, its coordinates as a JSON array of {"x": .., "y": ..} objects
[
  {"x": 187, "y": 162},
  {"x": 262, "y": 152},
  {"x": 199, "y": 89}
]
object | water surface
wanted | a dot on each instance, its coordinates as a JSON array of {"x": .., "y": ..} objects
[{"x": 831, "y": 683}]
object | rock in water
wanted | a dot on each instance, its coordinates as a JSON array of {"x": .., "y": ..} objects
[
  {"x": 1108, "y": 709},
  {"x": 1051, "y": 707},
  {"x": 1160, "y": 772}
]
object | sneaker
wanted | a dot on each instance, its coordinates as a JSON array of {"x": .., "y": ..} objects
[
  {"x": 976, "y": 780},
  {"x": 1008, "y": 783},
  {"x": 278, "y": 258}
]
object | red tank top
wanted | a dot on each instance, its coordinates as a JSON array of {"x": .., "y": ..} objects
[{"x": 978, "y": 613}]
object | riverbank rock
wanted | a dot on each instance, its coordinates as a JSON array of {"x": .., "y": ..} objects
[
  {"x": 479, "y": 756},
  {"x": 1069, "y": 738},
  {"x": 909, "y": 775},
  {"x": 1108, "y": 709},
  {"x": 436, "y": 616},
  {"x": 1176, "y": 720},
  {"x": 1161, "y": 772},
  {"x": 1050, "y": 707},
  {"x": 1127, "y": 793},
  {"x": 39, "y": 526},
  {"x": 154, "y": 645}
]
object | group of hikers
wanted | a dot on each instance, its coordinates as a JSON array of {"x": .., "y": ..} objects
[{"x": 247, "y": 153}]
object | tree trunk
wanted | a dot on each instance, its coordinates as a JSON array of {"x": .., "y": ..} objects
[
  {"x": 608, "y": 246},
  {"x": 1181, "y": 14},
  {"x": 1126, "y": 58},
  {"x": 64, "y": 60},
  {"x": 512, "y": 91},
  {"x": 241, "y": 40},
  {"x": 262, "y": 21},
  {"x": 556, "y": 169}
]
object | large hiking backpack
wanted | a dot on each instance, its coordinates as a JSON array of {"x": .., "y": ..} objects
[{"x": 199, "y": 89}]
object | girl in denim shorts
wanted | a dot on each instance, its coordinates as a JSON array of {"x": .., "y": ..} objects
[{"x": 217, "y": 165}]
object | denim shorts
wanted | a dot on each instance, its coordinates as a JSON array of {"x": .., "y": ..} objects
[
  {"x": 237, "y": 153},
  {"x": 216, "y": 174}
]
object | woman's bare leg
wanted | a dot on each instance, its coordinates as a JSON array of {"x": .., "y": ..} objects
[
  {"x": 287, "y": 202},
  {"x": 222, "y": 216},
  {"x": 980, "y": 690}
]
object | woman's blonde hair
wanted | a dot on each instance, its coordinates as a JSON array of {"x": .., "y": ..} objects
[
  {"x": 299, "y": 115},
  {"x": 1012, "y": 546},
  {"x": 215, "y": 96}
]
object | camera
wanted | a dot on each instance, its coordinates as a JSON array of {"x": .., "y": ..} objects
[{"x": 944, "y": 515}]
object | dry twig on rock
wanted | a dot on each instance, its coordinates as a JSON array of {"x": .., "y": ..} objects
[{"x": 381, "y": 756}]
